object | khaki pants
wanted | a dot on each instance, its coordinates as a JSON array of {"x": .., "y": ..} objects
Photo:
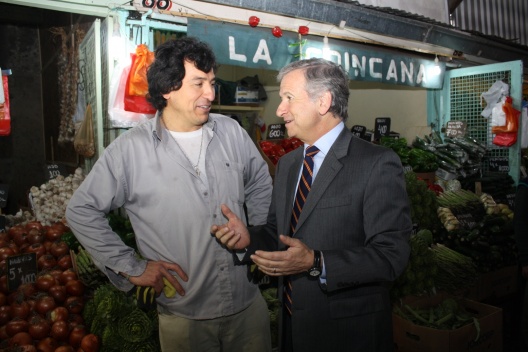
[{"x": 247, "y": 331}]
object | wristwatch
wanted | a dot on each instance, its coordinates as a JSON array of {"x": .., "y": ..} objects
[{"x": 316, "y": 269}]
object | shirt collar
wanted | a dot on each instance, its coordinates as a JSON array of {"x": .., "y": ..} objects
[{"x": 325, "y": 142}]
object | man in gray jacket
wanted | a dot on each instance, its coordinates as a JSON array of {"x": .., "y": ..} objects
[{"x": 171, "y": 174}]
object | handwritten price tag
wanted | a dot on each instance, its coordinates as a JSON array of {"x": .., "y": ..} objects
[
  {"x": 276, "y": 131},
  {"x": 382, "y": 127},
  {"x": 21, "y": 269},
  {"x": 455, "y": 129}
]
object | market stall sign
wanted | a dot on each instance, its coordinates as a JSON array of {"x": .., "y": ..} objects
[
  {"x": 4, "y": 191},
  {"x": 276, "y": 131},
  {"x": 21, "y": 269},
  {"x": 239, "y": 45}
]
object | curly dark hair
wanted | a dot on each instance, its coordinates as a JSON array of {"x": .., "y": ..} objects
[{"x": 166, "y": 73}]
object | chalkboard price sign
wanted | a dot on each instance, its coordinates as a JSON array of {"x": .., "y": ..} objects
[
  {"x": 21, "y": 269},
  {"x": 455, "y": 129},
  {"x": 276, "y": 131},
  {"x": 358, "y": 131},
  {"x": 54, "y": 170},
  {"x": 499, "y": 164},
  {"x": 4, "y": 190},
  {"x": 381, "y": 127}
]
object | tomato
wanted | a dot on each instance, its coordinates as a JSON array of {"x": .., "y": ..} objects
[
  {"x": 27, "y": 290},
  {"x": 75, "y": 287},
  {"x": 75, "y": 319},
  {"x": 35, "y": 236},
  {"x": 90, "y": 343},
  {"x": 65, "y": 262},
  {"x": 56, "y": 274},
  {"x": 55, "y": 231},
  {"x": 59, "y": 248},
  {"x": 59, "y": 294},
  {"x": 39, "y": 327},
  {"x": 3, "y": 300},
  {"x": 47, "y": 261},
  {"x": 16, "y": 325},
  {"x": 5, "y": 314},
  {"x": 47, "y": 344},
  {"x": 76, "y": 335},
  {"x": 6, "y": 252},
  {"x": 74, "y": 304},
  {"x": 65, "y": 348},
  {"x": 21, "y": 238},
  {"x": 15, "y": 230},
  {"x": 67, "y": 275},
  {"x": 33, "y": 225},
  {"x": 20, "y": 339},
  {"x": 60, "y": 330},
  {"x": 37, "y": 248},
  {"x": 3, "y": 333},
  {"x": 44, "y": 304},
  {"x": 44, "y": 282},
  {"x": 19, "y": 309},
  {"x": 59, "y": 313}
]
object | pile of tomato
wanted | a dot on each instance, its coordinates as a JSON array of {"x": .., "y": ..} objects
[
  {"x": 274, "y": 150},
  {"x": 44, "y": 315}
]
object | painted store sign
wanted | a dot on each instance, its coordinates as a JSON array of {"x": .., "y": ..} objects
[{"x": 240, "y": 45}]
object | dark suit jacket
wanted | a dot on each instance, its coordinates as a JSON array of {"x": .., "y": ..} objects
[{"x": 357, "y": 214}]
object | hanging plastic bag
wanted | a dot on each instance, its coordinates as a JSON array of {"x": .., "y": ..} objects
[
  {"x": 524, "y": 125},
  {"x": 5, "y": 115},
  {"x": 136, "y": 103},
  {"x": 80, "y": 109},
  {"x": 512, "y": 118},
  {"x": 505, "y": 139},
  {"x": 84, "y": 141},
  {"x": 119, "y": 117},
  {"x": 138, "y": 84},
  {"x": 498, "y": 90}
]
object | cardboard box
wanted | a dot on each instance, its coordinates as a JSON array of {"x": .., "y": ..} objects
[
  {"x": 498, "y": 283},
  {"x": 409, "y": 337},
  {"x": 246, "y": 96}
]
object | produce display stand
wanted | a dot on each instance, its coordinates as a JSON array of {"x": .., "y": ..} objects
[{"x": 410, "y": 337}]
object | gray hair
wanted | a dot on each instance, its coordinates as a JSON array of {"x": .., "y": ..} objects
[{"x": 323, "y": 76}]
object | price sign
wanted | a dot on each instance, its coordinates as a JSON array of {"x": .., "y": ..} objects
[
  {"x": 467, "y": 221},
  {"x": 21, "y": 269},
  {"x": 54, "y": 170},
  {"x": 4, "y": 190},
  {"x": 381, "y": 127},
  {"x": 499, "y": 164},
  {"x": 455, "y": 129},
  {"x": 276, "y": 131},
  {"x": 358, "y": 131}
]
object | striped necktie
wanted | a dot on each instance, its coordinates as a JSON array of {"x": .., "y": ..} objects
[{"x": 305, "y": 184}]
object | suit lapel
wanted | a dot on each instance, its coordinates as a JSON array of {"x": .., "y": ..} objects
[{"x": 327, "y": 172}]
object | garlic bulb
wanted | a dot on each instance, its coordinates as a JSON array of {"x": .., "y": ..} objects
[{"x": 49, "y": 201}]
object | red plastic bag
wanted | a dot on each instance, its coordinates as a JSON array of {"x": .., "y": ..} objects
[
  {"x": 5, "y": 115},
  {"x": 505, "y": 139},
  {"x": 136, "y": 103}
]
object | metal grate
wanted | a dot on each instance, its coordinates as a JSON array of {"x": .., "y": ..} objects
[{"x": 466, "y": 105}]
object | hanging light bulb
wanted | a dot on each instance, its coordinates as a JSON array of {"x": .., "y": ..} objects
[
  {"x": 436, "y": 69},
  {"x": 326, "y": 48}
]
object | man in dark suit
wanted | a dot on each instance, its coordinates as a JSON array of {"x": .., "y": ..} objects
[{"x": 338, "y": 242}]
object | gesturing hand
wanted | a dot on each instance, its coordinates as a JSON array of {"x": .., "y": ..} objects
[{"x": 234, "y": 234}]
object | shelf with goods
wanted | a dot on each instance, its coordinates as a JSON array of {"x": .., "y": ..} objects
[{"x": 463, "y": 250}]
